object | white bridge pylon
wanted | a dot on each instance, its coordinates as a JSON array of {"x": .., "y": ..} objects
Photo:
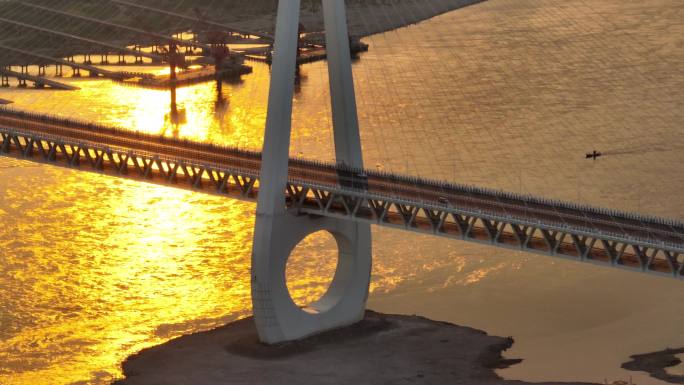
[{"x": 278, "y": 231}]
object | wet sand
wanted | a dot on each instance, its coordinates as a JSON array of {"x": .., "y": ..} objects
[{"x": 381, "y": 349}]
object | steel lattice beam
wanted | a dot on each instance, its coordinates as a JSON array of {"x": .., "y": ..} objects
[{"x": 240, "y": 180}]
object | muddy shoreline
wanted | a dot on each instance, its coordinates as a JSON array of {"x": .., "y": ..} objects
[{"x": 381, "y": 349}]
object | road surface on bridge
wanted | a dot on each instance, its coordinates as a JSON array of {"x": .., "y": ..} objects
[
  {"x": 377, "y": 183},
  {"x": 39, "y": 81},
  {"x": 479, "y": 202}
]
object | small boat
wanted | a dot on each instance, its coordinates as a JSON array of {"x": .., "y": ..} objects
[{"x": 594, "y": 155}]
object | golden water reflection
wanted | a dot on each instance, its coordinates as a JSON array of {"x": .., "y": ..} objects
[
  {"x": 311, "y": 267},
  {"x": 92, "y": 281},
  {"x": 235, "y": 117},
  {"x": 141, "y": 257},
  {"x": 100, "y": 268},
  {"x": 95, "y": 268}
]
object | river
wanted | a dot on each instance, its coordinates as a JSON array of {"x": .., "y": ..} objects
[{"x": 507, "y": 94}]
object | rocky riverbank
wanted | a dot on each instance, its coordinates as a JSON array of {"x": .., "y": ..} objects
[{"x": 381, "y": 349}]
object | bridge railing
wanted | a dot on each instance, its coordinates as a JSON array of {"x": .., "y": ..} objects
[
  {"x": 328, "y": 199},
  {"x": 520, "y": 208}
]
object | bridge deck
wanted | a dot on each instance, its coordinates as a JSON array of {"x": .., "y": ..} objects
[
  {"x": 191, "y": 76},
  {"x": 507, "y": 220},
  {"x": 117, "y": 75},
  {"x": 38, "y": 80}
]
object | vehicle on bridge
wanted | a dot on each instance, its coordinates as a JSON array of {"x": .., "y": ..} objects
[{"x": 354, "y": 179}]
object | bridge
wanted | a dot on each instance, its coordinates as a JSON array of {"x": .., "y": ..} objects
[
  {"x": 218, "y": 50},
  {"x": 92, "y": 70},
  {"x": 554, "y": 228},
  {"x": 297, "y": 197},
  {"x": 38, "y": 81}
]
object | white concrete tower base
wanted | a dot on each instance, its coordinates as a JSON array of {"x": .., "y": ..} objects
[
  {"x": 276, "y": 315},
  {"x": 277, "y": 231}
]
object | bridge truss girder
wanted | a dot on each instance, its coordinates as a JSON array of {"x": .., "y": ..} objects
[
  {"x": 242, "y": 182},
  {"x": 605, "y": 249}
]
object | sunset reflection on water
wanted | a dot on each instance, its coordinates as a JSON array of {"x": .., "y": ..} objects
[
  {"x": 96, "y": 268},
  {"x": 133, "y": 264},
  {"x": 141, "y": 257}
]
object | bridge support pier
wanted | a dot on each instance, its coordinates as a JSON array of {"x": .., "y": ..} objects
[
  {"x": 279, "y": 230},
  {"x": 156, "y": 49},
  {"x": 276, "y": 315},
  {"x": 4, "y": 82},
  {"x": 59, "y": 72},
  {"x": 138, "y": 49},
  {"x": 21, "y": 80}
]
